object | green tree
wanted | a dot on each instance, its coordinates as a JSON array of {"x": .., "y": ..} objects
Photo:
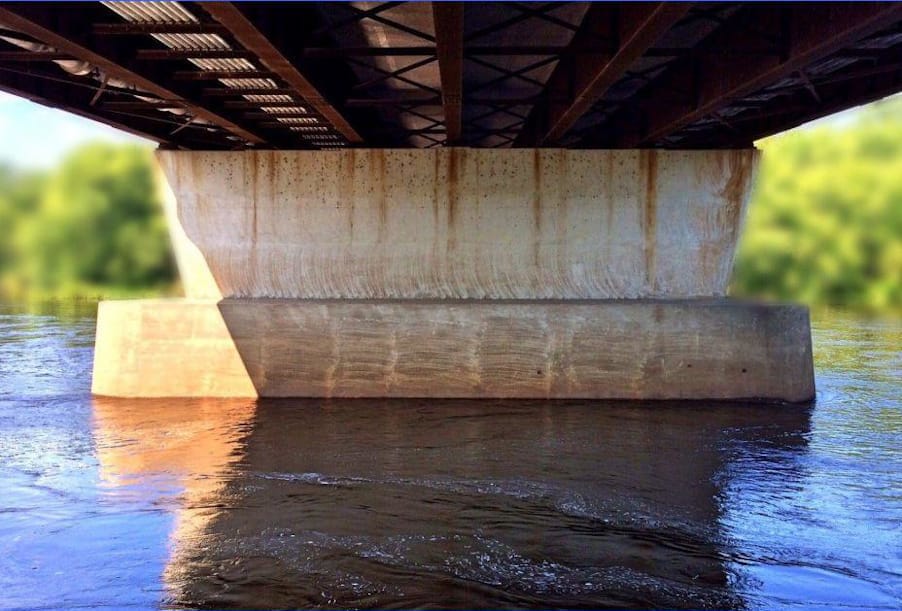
[
  {"x": 97, "y": 226},
  {"x": 20, "y": 194},
  {"x": 825, "y": 220}
]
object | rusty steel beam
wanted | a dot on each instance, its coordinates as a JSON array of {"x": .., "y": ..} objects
[
  {"x": 268, "y": 116},
  {"x": 449, "y": 44},
  {"x": 183, "y": 54},
  {"x": 529, "y": 50},
  {"x": 248, "y": 105},
  {"x": 285, "y": 125},
  {"x": 345, "y": 52},
  {"x": 131, "y": 29},
  {"x": 132, "y": 105},
  {"x": 585, "y": 78},
  {"x": 252, "y": 39},
  {"x": 215, "y": 75},
  {"x": 234, "y": 92},
  {"x": 809, "y": 33},
  {"x": 420, "y": 100},
  {"x": 24, "y": 17},
  {"x": 513, "y": 99},
  {"x": 68, "y": 97},
  {"x": 849, "y": 87},
  {"x": 75, "y": 97},
  {"x": 852, "y": 93},
  {"x": 32, "y": 56}
]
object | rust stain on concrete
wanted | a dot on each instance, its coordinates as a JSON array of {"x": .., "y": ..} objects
[
  {"x": 739, "y": 175},
  {"x": 255, "y": 186},
  {"x": 537, "y": 204},
  {"x": 649, "y": 164},
  {"x": 377, "y": 169},
  {"x": 609, "y": 183},
  {"x": 352, "y": 182},
  {"x": 453, "y": 196},
  {"x": 563, "y": 175},
  {"x": 348, "y": 166},
  {"x": 410, "y": 348},
  {"x": 436, "y": 192}
]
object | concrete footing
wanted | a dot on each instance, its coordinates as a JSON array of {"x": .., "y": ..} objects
[{"x": 601, "y": 349}]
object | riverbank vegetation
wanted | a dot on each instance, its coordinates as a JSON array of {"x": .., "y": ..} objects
[
  {"x": 91, "y": 227},
  {"x": 824, "y": 226}
]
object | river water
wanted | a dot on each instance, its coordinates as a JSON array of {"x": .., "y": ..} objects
[{"x": 425, "y": 503}]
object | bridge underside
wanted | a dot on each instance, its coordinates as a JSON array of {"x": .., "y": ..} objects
[
  {"x": 322, "y": 258},
  {"x": 220, "y": 75}
]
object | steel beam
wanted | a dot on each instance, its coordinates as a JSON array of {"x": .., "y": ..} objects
[
  {"x": 34, "y": 20},
  {"x": 184, "y": 54},
  {"x": 246, "y": 105},
  {"x": 449, "y": 43},
  {"x": 807, "y": 35},
  {"x": 235, "y": 92},
  {"x": 32, "y": 56},
  {"x": 585, "y": 78},
  {"x": 849, "y": 87},
  {"x": 215, "y": 75},
  {"x": 132, "y": 29},
  {"x": 252, "y": 39},
  {"x": 74, "y": 97}
]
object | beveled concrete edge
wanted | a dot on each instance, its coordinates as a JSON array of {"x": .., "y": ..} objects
[{"x": 205, "y": 360}]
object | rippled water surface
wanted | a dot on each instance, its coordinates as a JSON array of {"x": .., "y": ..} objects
[{"x": 273, "y": 504}]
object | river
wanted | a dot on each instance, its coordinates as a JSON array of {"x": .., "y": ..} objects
[{"x": 446, "y": 504}]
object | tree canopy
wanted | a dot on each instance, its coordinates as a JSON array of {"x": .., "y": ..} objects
[
  {"x": 92, "y": 226},
  {"x": 824, "y": 224}
]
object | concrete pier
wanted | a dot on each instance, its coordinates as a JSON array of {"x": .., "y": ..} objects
[
  {"x": 457, "y": 223},
  {"x": 456, "y": 273}
]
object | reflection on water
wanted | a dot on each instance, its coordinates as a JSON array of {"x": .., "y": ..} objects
[{"x": 302, "y": 503}]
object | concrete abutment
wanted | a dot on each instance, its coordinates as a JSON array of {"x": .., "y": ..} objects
[{"x": 455, "y": 273}]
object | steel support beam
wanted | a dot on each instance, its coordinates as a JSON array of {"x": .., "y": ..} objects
[
  {"x": 235, "y": 92},
  {"x": 806, "y": 35},
  {"x": 74, "y": 97},
  {"x": 449, "y": 42},
  {"x": 184, "y": 54},
  {"x": 35, "y": 20},
  {"x": 132, "y": 29},
  {"x": 215, "y": 75},
  {"x": 850, "y": 87},
  {"x": 31, "y": 56},
  {"x": 583, "y": 79},
  {"x": 252, "y": 39}
]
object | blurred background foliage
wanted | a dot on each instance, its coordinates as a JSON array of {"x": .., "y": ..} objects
[
  {"x": 93, "y": 226},
  {"x": 824, "y": 226}
]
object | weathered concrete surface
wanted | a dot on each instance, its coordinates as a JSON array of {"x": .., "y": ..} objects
[
  {"x": 455, "y": 273},
  {"x": 681, "y": 349},
  {"x": 457, "y": 223}
]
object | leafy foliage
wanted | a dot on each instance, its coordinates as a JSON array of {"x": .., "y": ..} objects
[
  {"x": 825, "y": 221},
  {"x": 93, "y": 225}
]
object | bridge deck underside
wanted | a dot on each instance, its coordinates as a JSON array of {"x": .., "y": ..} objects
[{"x": 219, "y": 75}]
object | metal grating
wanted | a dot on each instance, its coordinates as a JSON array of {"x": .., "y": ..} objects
[{"x": 176, "y": 13}]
